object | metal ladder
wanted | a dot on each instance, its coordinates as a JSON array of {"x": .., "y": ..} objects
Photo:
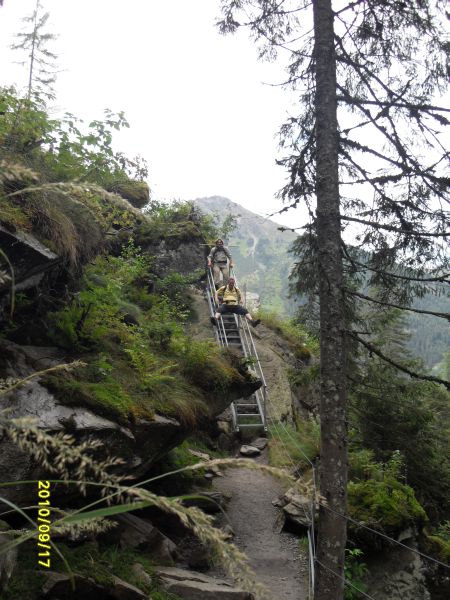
[{"x": 233, "y": 331}]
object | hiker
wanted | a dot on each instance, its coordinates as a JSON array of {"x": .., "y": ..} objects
[
  {"x": 230, "y": 297},
  {"x": 218, "y": 260}
]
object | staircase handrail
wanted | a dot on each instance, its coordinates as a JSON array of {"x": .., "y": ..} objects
[
  {"x": 213, "y": 302},
  {"x": 249, "y": 349}
]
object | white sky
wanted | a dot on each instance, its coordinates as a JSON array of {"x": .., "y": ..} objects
[{"x": 198, "y": 108}]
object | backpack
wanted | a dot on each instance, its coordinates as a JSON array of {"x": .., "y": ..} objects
[
  {"x": 214, "y": 252},
  {"x": 224, "y": 287}
]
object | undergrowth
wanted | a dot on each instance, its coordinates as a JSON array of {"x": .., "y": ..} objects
[
  {"x": 378, "y": 495},
  {"x": 140, "y": 362},
  {"x": 101, "y": 564}
]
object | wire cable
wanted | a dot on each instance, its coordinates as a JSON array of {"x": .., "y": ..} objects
[
  {"x": 346, "y": 581},
  {"x": 387, "y": 537}
]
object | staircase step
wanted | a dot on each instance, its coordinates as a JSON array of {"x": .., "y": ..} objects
[{"x": 248, "y": 415}]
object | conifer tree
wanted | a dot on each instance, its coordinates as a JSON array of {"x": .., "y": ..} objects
[
  {"x": 367, "y": 144},
  {"x": 34, "y": 41}
]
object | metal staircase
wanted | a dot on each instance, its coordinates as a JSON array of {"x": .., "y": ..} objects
[{"x": 233, "y": 331}]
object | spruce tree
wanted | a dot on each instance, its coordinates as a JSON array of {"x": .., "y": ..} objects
[
  {"x": 41, "y": 61},
  {"x": 367, "y": 146}
]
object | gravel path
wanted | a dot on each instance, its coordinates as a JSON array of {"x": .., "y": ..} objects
[{"x": 274, "y": 556}]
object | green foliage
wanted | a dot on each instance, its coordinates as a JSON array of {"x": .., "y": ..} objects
[
  {"x": 220, "y": 226},
  {"x": 175, "y": 288},
  {"x": 305, "y": 376},
  {"x": 429, "y": 335},
  {"x": 174, "y": 222},
  {"x": 90, "y": 560},
  {"x": 378, "y": 497},
  {"x": 181, "y": 457},
  {"x": 89, "y": 155},
  {"x": 354, "y": 573},
  {"x": 24, "y": 124},
  {"x": 438, "y": 543},
  {"x": 151, "y": 365},
  {"x": 303, "y": 544},
  {"x": 393, "y": 413},
  {"x": 59, "y": 148}
]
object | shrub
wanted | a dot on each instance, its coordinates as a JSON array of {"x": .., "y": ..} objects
[{"x": 386, "y": 505}]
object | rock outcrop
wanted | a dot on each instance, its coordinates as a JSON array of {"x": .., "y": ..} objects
[
  {"x": 58, "y": 586},
  {"x": 139, "y": 444},
  {"x": 191, "y": 585}
]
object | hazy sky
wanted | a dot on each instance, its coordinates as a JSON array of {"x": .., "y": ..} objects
[{"x": 196, "y": 102}]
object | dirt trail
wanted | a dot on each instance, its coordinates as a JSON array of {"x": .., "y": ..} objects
[{"x": 274, "y": 556}]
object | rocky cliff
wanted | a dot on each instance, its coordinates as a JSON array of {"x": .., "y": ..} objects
[{"x": 89, "y": 277}]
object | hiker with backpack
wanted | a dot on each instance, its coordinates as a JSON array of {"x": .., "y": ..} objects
[
  {"x": 218, "y": 259},
  {"x": 229, "y": 297}
]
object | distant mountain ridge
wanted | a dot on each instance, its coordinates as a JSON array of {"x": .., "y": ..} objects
[{"x": 259, "y": 250}]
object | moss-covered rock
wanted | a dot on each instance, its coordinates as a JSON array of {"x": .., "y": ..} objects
[
  {"x": 70, "y": 219},
  {"x": 386, "y": 505},
  {"x": 136, "y": 192},
  {"x": 438, "y": 547}
]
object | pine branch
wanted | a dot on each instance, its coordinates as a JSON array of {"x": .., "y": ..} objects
[
  {"x": 416, "y": 310},
  {"x": 402, "y": 368},
  {"x": 395, "y": 229},
  {"x": 441, "y": 279},
  {"x": 393, "y": 104}
]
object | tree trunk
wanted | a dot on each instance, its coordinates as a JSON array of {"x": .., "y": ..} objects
[
  {"x": 333, "y": 455},
  {"x": 33, "y": 48}
]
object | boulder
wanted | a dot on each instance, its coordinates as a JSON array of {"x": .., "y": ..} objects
[
  {"x": 125, "y": 591},
  {"x": 66, "y": 224},
  {"x": 141, "y": 575},
  {"x": 298, "y": 513},
  {"x": 29, "y": 258},
  {"x": 175, "y": 255},
  {"x": 296, "y": 509},
  {"x": 140, "y": 534},
  {"x": 259, "y": 443},
  {"x": 249, "y": 451},
  {"x": 398, "y": 573},
  {"x": 59, "y": 587},
  {"x": 191, "y": 585}
]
